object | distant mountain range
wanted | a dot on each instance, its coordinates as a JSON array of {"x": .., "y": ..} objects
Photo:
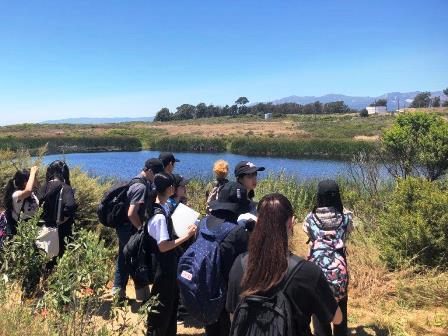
[
  {"x": 355, "y": 102},
  {"x": 97, "y": 120}
]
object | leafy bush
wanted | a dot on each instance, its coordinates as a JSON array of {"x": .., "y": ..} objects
[
  {"x": 83, "y": 269},
  {"x": 418, "y": 145},
  {"x": 88, "y": 194},
  {"x": 364, "y": 113},
  {"x": 21, "y": 260},
  {"x": 413, "y": 227}
]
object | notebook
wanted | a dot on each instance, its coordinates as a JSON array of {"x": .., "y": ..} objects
[{"x": 182, "y": 217}]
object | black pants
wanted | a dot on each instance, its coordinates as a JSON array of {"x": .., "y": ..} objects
[
  {"x": 324, "y": 329},
  {"x": 220, "y": 327},
  {"x": 162, "y": 319}
]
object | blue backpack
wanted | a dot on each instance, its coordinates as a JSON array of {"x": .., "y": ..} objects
[{"x": 201, "y": 284}]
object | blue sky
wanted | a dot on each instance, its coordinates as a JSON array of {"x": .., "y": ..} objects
[{"x": 84, "y": 58}]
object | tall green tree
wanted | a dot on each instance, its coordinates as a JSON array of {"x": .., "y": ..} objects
[
  {"x": 435, "y": 102},
  {"x": 163, "y": 115},
  {"x": 241, "y": 101},
  {"x": 201, "y": 111},
  {"x": 241, "y": 105},
  {"x": 423, "y": 99},
  {"x": 336, "y": 107},
  {"x": 417, "y": 145},
  {"x": 185, "y": 112}
]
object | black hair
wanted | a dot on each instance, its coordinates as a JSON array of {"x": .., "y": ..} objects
[
  {"x": 58, "y": 170},
  {"x": 18, "y": 182},
  {"x": 329, "y": 200},
  {"x": 163, "y": 181}
]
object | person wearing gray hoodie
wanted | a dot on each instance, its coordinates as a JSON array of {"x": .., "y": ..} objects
[{"x": 328, "y": 226}]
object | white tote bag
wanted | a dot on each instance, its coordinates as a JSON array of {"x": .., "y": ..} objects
[{"x": 48, "y": 240}]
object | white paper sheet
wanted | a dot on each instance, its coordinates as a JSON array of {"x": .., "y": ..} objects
[{"x": 182, "y": 217}]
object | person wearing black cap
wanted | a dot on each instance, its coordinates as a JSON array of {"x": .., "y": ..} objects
[
  {"x": 232, "y": 201},
  {"x": 246, "y": 174},
  {"x": 138, "y": 196},
  {"x": 168, "y": 160},
  {"x": 163, "y": 315},
  {"x": 328, "y": 226}
]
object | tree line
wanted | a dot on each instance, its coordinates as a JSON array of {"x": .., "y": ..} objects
[
  {"x": 424, "y": 99},
  {"x": 201, "y": 110}
]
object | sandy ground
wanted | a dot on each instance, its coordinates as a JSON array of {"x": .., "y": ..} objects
[{"x": 371, "y": 138}]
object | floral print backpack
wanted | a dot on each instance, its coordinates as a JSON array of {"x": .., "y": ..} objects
[{"x": 327, "y": 250}]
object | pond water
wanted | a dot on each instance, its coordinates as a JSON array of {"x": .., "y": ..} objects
[{"x": 123, "y": 165}]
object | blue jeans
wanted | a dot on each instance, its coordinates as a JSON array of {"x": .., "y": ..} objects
[{"x": 124, "y": 233}]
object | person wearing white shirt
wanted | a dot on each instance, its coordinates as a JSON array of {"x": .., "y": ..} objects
[
  {"x": 20, "y": 201},
  {"x": 162, "y": 318}
]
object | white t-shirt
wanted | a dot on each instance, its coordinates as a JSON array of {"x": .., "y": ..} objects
[
  {"x": 157, "y": 226},
  {"x": 29, "y": 208}
]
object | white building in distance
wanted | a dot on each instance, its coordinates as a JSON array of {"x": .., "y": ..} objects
[{"x": 376, "y": 109}]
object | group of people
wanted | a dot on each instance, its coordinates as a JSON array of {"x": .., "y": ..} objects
[
  {"x": 24, "y": 194},
  {"x": 255, "y": 259}
]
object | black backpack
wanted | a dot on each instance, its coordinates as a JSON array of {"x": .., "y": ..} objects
[
  {"x": 139, "y": 254},
  {"x": 113, "y": 208},
  {"x": 270, "y": 316}
]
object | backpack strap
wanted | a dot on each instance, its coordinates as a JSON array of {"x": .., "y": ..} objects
[
  {"x": 158, "y": 210},
  {"x": 295, "y": 263},
  {"x": 137, "y": 179}
]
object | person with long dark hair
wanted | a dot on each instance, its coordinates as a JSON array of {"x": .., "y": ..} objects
[
  {"x": 328, "y": 226},
  {"x": 263, "y": 270},
  {"x": 20, "y": 201},
  {"x": 58, "y": 201}
]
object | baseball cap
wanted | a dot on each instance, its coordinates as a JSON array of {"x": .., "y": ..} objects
[
  {"x": 231, "y": 197},
  {"x": 246, "y": 167},
  {"x": 155, "y": 165},
  {"x": 327, "y": 187},
  {"x": 167, "y": 157}
]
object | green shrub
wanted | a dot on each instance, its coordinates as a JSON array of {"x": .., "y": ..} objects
[
  {"x": 88, "y": 193},
  {"x": 418, "y": 145},
  {"x": 81, "y": 273},
  {"x": 66, "y": 144},
  {"x": 290, "y": 147},
  {"x": 21, "y": 261},
  {"x": 302, "y": 194},
  {"x": 413, "y": 227}
]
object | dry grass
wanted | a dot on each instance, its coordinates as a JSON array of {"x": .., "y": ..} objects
[{"x": 278, "y": 128}]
